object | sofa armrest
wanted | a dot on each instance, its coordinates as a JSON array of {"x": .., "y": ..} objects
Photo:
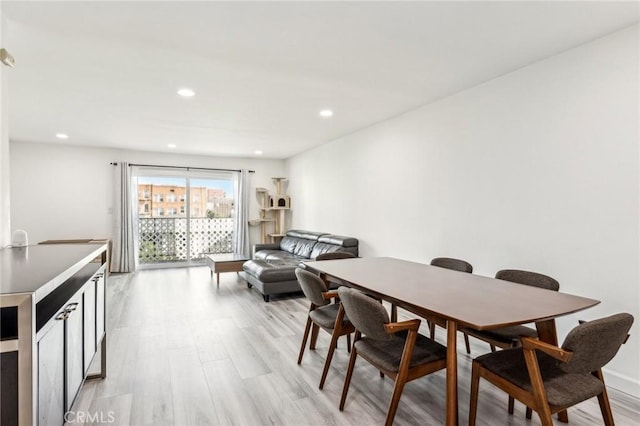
[{"x": 267, "y": 246}]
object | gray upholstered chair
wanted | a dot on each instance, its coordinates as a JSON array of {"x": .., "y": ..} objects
[
  {"x": 508, "y": 337},
  {"x": 335, "y": 255},
  {"x": 396, "y": 349},
  {"x": 550, "y": 379},
  {"x": 456, "y": 265},
  {"x": 451, "y": 263},
  {"x": 322, "y": 314}
]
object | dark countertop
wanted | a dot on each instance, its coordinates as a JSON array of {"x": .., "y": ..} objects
[{"x": 39, "y": 269}]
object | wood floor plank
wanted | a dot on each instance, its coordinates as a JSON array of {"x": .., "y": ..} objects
[
  {"x": 192, "y": 403},
  {"x": 183, "y": 351},
  {"x": 229, "y": 394},
  {"x": 152, "y": 404}
]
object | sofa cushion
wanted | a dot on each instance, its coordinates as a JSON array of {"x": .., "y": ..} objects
[
  {"x": 339, "y": 240},
  {"x": 307, "y": 235},
  {"x": 272, "y": 271},
  {"x": 269, "y": 255},
  {"x": 331, "y": 243},
  {"x": 289, "y": 244},
  {"x": 304, "y": 248},
  {"x": 320, "y": 248}
]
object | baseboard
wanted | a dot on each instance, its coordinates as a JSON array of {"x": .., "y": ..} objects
[{"x": 622, "y": 383}]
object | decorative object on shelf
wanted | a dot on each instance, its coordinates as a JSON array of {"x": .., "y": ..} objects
[
  {"x": 19, "y": 238},
  {"x": 6, "y": 58},
  {"x": 272, "y": 210}
]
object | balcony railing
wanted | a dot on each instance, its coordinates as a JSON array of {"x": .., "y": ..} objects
[{"x": 165, "y": 239}]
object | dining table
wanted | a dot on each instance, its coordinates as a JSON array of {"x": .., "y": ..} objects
[{"x": 454, "y": 299}]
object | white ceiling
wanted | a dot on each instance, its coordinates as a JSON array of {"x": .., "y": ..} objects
[{"x": 106, "y": 73}]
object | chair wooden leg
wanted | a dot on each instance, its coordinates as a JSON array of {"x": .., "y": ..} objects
[
  {"x": 395, "y": 399},
  {"x": 304, "y": 339},
  {"x": 347, "y": 378},
  {"x": 539, "y": 395},
  {"x": 327, "y": 362},
  {"x": 493, "y": 348},
  {"x": 545, "y": 419},
  {"x": 401, "y": 377},
  {"x": 349, "y": 343},
  {"x": 432, "y": 329},
  {"x": 528, "y": 413},
  {"x": 475, "y": 384},
  {"x": 314, "y": 336},
  {"x": 510, "y": 406},
  {"x": 466, "y": 343},
  {"x": 603, "y": 400}
]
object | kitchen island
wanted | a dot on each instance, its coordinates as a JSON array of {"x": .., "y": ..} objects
[{"x": 53, "y": 310}]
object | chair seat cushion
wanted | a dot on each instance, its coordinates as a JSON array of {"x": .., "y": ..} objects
[
  {"x": 505, "y": 334},
  {"x": 387, "y": 354},
  {"x": 325, "y": 316},
  {"x": 562, "y": 389}
]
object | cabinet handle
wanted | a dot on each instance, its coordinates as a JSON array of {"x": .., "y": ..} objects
[
  {"x": 62, "y": 316},
  {"x": 71, "y": 307}
]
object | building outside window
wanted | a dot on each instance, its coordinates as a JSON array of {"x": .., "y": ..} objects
[{"x": 184, "y": 217}]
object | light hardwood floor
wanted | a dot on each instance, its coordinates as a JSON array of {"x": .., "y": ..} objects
[{"x": 182, "y": 351}]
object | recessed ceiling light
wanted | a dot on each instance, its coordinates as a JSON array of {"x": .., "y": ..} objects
[
  {"x": 258, "y": 152},
  {"x": 172, "y": 145},
  {"x": 186, "y": 92},
  {"x": 62, "y": 136},
  {"x": 326, "y": 113}
]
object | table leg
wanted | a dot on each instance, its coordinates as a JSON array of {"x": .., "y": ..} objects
[
  {"x": 452, "y": 374},
  {"x": 218, "y": 279},
  {"x": 547, "y": 333}
]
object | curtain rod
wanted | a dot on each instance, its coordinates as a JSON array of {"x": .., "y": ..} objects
[{"x": 185, "y": 168}]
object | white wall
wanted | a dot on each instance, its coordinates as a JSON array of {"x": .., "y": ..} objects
[
  {"x": 536, "y": 170},
  {"x": 5, "y": 223},
  {"x": 64, "y": 192}
]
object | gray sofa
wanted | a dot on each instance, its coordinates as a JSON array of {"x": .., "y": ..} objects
[{"x": 272, "y": 269}]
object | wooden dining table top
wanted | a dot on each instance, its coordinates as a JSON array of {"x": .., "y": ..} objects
[{"x": 470, "y": 300}]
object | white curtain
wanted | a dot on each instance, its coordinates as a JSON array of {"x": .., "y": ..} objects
[
  {"x": 125, "y": 244},
  {"x": 241, "y": 225}
]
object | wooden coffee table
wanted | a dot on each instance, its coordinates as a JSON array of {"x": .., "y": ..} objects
[{"x": 225, "y": 262}]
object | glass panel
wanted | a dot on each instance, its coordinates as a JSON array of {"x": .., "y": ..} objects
[
  {"x": 211, "y": 218},
  {"x": 162, "y": 219},
  {"x": 183, "y": 218}
]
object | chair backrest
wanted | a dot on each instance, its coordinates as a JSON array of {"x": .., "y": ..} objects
[
  {"x": 312, "y": 287},
  {"x": 366, "y": 314},
  {"x": 533, "y": 279},
  {"x": 451, "y": 263},
  {"x": 335, "y": 255},
  {"x": 595, "y": 343}
]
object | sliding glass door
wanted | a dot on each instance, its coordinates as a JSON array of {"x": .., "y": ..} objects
[
  {"x": 183, "y": 216},
  {"x": 211, "y": 217}
]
